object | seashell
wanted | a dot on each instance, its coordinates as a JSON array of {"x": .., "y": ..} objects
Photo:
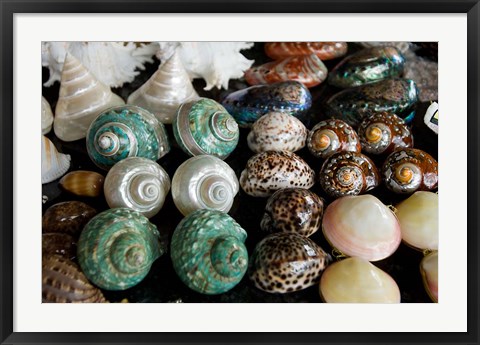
[
  {"x": 362, "y": 226},
  {"x": 295, "y": 210},
  {"x": 286, "y": 262},
  {"x": 429, "y": 272},
  {"x": 47, "y": 116},
  {"x": 59, "y": 244},
  {"x": 204, "y": 127},
  {"x": 331, "y": 136},
  {"x": 166, "y": 89},
  {"x": 63, "y": 282},
  {"x": 68, "y": 217},
  {"x": 204, "y": 182},
  {"x": 382, "y": 133},
  {"x": 402, "y": 46},
  {"x": 355, "y": 280},
  {"x": 80, "y": 100},
  {"x": 367, "y": 66},
  {"x": 430, "y": 119},
  {"x": 277, "y": 131},
  {"x": 248, "y": 105},
  {"x": 126, "y": 131},
  {"x": 408, "y": 170},
  {"x": 137, "y": 183},
  {"x": 324, "y": 50},
  {"x": 269, "y": 171},
  {"x": 306, "y": 69},
  {"x": 117, "y": 248},
  {"x": 418, "y": 217},
  {"x": 348, "y": 173},
  {"x": 393, "y": 95},
  {"x": 83, "y": 183},
  {"x": 208, "y": 252},
  {"x": 54, "y": 163}
]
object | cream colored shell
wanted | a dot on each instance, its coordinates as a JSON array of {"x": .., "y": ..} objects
[
  {"x": 429, "y": 271},
  {"x": 47, "y": 116},
  {"x": 54, "y": 163}
]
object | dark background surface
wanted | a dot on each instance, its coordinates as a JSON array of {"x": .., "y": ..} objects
[{"x": 162, "y": 284}]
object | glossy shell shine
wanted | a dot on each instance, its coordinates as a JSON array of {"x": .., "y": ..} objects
[
  {"x": 83, "y": 183},
  {"x": 324, "y": 50}
]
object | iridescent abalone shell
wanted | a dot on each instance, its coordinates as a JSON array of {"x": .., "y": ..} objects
[
  {"x": 394, "y": 95},
  {"x": 208, "y": 251},
  {"x": 126, "y": 131},
  {"x": 367, "y": 66},
  {"x": 324, "y": 50},
  {"x": 204, "y": 127},
  {"x": 248, "y": 105},
  {"x": 307, "y": 69}
]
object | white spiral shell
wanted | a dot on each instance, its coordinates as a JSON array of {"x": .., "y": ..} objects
[
  {"x": 47, "y": 116},
  {"x": 54, "y": 163},
  {"x": 204, "y": 182},
  {"x": 137, "y": 183}
]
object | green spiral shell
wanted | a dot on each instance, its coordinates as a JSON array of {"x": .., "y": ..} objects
[
  {"x": 208, "y": 251},
  {"x": 117, "y": 248}
]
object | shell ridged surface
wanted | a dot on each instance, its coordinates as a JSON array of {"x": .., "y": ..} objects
[
  {"x": 137, "y": 183},
  {"x": 429, "y": 272},
  {"x": 348, "y": 173},
  {"x": 47, "y": 116},
  {"x": 81, "y": 98},
  {"x": 408, "y": 170},
  {"x": 83, "y": 183},
  {"x": 248, "y": 105},
  {"x": 367, "y": 66},
  {"x": 63, "y": 282},
  {"x": 117, "y": 248},
  {"x": 286, "y": 262},
  {"x": 208, "y": 251},
  {"x": 54, "y": 163},
  {"x": 269, "y": 171},
  {"x": 324, "y": 50},
  {"x": 331, "y": 136},
  {"x": 354, "y": 280},
  {"x": 306, "y": 69},
  {"x": 362, "y": 226},
  {"x": 67, "y": 217},
  {"x": 295, "y": 210},
  {"x": 204, "y": 181},
  {"x": 277, "y": 131},
  {"x": 166, "y": 89},
  {"x": 126, "y": 131},
  {"x": 204, "y": 127}
]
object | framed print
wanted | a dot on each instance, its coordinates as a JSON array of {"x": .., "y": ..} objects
[{"x": 212, "y": 172}]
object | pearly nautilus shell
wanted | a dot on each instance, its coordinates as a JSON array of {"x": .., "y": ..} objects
[
  {"x": 54, "y": 163},
  {"x": 166, "y": 89},
  {"x": 81, "y": 98},
  {"x": 47, "y": 116},
  {"x": 204, "y": 181},
  {"x": 137, "y": 183}
]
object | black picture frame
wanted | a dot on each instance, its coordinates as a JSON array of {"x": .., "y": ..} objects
[{"x": 9, "y": 7}]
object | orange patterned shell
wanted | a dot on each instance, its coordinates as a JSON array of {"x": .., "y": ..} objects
[{"x": 324, "y": 50}]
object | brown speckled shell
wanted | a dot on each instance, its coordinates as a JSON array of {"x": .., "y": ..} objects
[
  {"x": 63, "y": 282},
  {"x": 286, "y": 262},
  {"x": 67, "y": 217},
  {"x": 331, "y": 136},
  {"x": 296, "y": 210},
  {"x": 270, "y": 171},
  {"x": 348, "y": 173},
  {"x": 420, "y": 171},
  {"x": 324, "y": 50},
  {"x": 83, "y": 183},
  {"x": 382, "y": 133},
  {"x": 59, "y": 244}
]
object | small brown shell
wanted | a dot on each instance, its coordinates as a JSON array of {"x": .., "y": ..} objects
[
  {"x": 67, "y": 217},
  {"x": 286, "y": 262},
  {"x": 63, "y": 282},
  {"x": 83, "y": 183},
  {"x": 59, "y": 244},
  {"x": 348, "y": 173},
  {"x": 296, "y": 210},
  {"x": 408, "y": 170},
  {"x": 383, "y": 133},
  {"x": 331, "y": 136},
  {"x": 324, "y": 50}
]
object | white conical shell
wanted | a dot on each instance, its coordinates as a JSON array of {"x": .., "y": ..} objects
[
  {"x": 137, "y": 183},
  {"x": 54, "y": 163},
  {"x": 80, "y": 100},
  {"x": 47, "y": 116},
  {"x": 429, "y": 271},
  {"x": 166, "y": 89},
  {"x": 202, "y": 182},
  {"x": 418, "y": 217},
  {"x": 355, "y": 280}
]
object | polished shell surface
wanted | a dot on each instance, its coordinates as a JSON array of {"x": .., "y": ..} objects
[{"x": 429, "y": 271}]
